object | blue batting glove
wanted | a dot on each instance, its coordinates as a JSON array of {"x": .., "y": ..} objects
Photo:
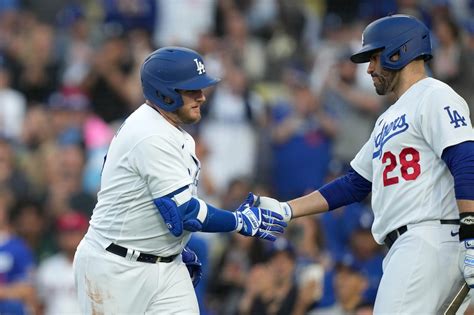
[
  {"x": 261, "y": 223},
  {"x": 467, "y": 261},
  {"x": 193, "y": 264}
]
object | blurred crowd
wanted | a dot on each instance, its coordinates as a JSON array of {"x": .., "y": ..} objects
[{"x": 290, "y": 113}]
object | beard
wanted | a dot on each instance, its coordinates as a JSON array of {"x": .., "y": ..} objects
[
  {"x": 187, "y": 116},
  {"x": 386, "y": 81},
  {"x": 190, "y": 120}
]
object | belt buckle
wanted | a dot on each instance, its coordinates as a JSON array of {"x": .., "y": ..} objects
[{"x": 158, "y": 259}]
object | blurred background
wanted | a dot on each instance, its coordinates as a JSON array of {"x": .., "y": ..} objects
[{"x": 289, "y": 114}]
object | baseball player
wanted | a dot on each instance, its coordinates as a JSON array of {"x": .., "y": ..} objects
[
  {"x": 129, "y": 261},
  {"x": 419, "y": 166}
]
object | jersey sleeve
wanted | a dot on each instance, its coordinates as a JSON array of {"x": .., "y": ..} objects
[
  {"x": 160, "y": 162},
  {"x": 362, "y": 162},
  {"x": 444, "y": 120}
]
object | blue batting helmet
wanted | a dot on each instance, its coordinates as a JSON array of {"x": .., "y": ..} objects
[
  {"x": 169, "y": 69},
  {"x": 402, "y": 34}
]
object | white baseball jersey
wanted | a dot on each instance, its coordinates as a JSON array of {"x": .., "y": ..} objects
[
  {"x": 402, "y": 159},
  {"x": 147, "y": 159}
]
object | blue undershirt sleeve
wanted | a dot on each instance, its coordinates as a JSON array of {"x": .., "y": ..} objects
[
  {"x": 215, "y": 220},
  {"x": 346, "y": 189},
  {"x": 218, "y": 220},
  {"x": 460, "y": 160},
  {"x": 181, "y": 211}
]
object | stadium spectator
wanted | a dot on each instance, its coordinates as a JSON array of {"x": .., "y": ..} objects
[
  {"x": 32, "y": 223},
  {"x": 301, "y": 142},
  {"x": 231, "y": 272},
  {"x": 11, "y": 176},
  {"x": 105, "y": 82},
  {"x": 452, "y": 62},
  {"x": 12, "y": 105},
  {"x": 349, "y": 283},
  {"x": 277, "y": 295},
  {"x": 17, "y": 293},
  {"x": 233, "y": 112},
  {"x": 73, "y": 50},
  {"x": 354, "y": 109},
  {"x": 180, "y": 23},
  {"x": 55, "y": 277}
]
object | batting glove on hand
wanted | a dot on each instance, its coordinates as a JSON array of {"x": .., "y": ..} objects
[
  {"x": 258, "y": 222},
  {"x": 466, "y": 261},
  {"x": 282, "y": 208},
  {"x": 193, "y": 264}
]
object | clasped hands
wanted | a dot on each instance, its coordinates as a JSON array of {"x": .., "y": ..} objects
[{"x": 255, "y": 219}]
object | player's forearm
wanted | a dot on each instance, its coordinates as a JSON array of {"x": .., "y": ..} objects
[
  {"x": 340, "y": 192},
  {"x": 312, "y": 203},
  {"x": 219, "y": 220},
  {"x": 465, "y": 205}
]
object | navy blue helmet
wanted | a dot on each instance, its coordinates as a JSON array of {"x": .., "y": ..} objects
[
  {"x": 169, "y": 69},
  {"x": 402, "y": 34}
]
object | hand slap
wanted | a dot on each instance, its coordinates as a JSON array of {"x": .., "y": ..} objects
[
  {"x": 261, "y": 223},
  {"x": 272, "y": 221}
]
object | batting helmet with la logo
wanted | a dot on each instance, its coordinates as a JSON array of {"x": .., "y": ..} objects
[{"x": 169, "y": 69}]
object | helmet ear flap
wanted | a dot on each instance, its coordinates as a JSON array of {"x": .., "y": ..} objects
[
  {"x": 166, "y": 99},
  {"x": 408, "y": 47},
  {"x": 162, "y": 96}
]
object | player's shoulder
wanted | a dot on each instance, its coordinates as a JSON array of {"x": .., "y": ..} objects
[
  {"x": 144, "y": 118},
  {"x": 437, "y": 89},
  {"x": 146, "y": 123},
  {"x": 437, "y": 94}
]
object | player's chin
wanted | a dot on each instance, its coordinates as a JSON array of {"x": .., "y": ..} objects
[
  {"x": 193, "y": 118},
  {"x": 380, "y": 89}
]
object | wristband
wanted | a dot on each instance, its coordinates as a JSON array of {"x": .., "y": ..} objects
[{"x": 466, "y": 229}]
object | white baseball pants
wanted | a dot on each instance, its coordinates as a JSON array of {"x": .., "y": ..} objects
[
  {"x": 421, "y": 271},
  {"x": 110, "y": 284}
]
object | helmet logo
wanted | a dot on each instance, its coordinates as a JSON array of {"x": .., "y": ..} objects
[{"x": 199, "y": 66}]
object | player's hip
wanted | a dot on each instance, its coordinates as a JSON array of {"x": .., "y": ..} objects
[
  {"x": 110, "y": 284},
  {"x": 423, "y": 262},
  {"x": 432, "y": 231},
  {"x": 162, "y": 245}
]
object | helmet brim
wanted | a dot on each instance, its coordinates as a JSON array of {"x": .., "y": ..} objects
[
  {"x": 197, "y": 83},
  {"x": 363, "y": 55}
]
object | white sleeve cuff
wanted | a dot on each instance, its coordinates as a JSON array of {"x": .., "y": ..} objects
[
  {"x": 202, "y": 214},
  {"x": 182, "y": 197}
]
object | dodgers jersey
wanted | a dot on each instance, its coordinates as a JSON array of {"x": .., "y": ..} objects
[
  {"x": 402, "y": 158},
  {"x": 147, "y": 159}
]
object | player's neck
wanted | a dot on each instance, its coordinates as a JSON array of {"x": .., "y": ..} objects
[
  {"x": 409, "y": 75},
  {"x": 166, "y": 115}
]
